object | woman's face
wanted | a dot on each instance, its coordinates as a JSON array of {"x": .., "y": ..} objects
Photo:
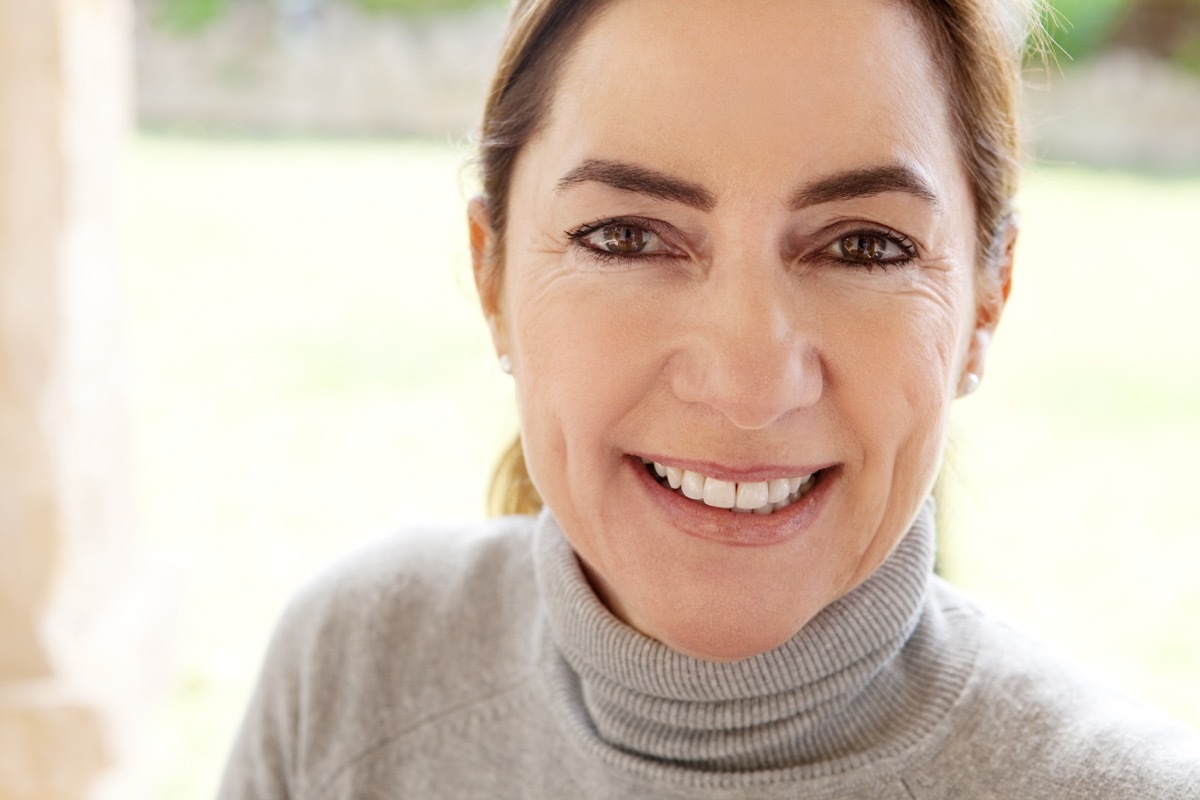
[{"x": 741, "y": 248}]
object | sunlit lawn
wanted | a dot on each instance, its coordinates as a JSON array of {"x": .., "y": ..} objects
[{"x": 309, "y": 371}]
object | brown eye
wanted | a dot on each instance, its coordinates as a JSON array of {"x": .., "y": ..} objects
[
  {"x": 621, "y": 239},
  {"x": 624, "y": 239},
  {"x": 872, "y": 247},
  {"x": 867, "y": 247}
]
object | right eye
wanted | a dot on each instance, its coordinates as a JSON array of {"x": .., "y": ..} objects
[
  {"x": 621, "y": 239},
  {"x": 624, "y": 239}
]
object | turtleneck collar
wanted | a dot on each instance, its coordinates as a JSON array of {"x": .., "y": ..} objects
[{"x": 856, "y": 684}]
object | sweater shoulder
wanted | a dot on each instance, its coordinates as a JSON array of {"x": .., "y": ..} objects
[
  {"x": 1072, "y": 734},
  {"x": 441, "y": 600},
  {"x": 423, "y": 569},
  {"x": 405, "y": 631}
]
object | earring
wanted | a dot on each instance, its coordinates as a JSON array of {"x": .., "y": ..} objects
[
  {"x": 970, "y": 383},
  {"x": 505, "y": 364}
]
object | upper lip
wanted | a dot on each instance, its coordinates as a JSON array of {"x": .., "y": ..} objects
[{"x": 738, "y": 473}]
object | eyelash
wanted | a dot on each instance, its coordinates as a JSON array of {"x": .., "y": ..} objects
[
  {"x": 579, "y": 235},
  {"x": 905, "y": 243}
]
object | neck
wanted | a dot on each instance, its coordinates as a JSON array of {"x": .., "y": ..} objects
[{"x": 843, "y": 685}]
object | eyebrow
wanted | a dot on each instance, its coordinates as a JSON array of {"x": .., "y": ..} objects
[
  {"x": 864, "y": 183},
  {"x": 642, "y": 180},
  {"x": 847, "y": 185}
]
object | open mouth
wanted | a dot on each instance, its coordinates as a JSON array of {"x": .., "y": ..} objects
[{"x": 746, "y": 497}]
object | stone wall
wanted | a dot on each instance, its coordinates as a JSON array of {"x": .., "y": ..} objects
[
  {"x": 63, "y": 515},
  {"x": 1121, "y": 109},
  {"x": 326, "y": 68}
]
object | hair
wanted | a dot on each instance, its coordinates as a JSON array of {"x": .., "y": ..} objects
[{"x": 976, "y": 44}]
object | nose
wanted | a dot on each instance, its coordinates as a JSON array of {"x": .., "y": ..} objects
[{"x": 749, "y": 351}]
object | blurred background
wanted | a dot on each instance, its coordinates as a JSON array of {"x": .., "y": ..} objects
[{"x": 261, "y": 305}]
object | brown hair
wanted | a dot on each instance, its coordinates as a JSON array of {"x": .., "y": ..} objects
[{"x": 972, "y": 42}]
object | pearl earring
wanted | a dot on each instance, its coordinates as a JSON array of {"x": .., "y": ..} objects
[
  {"x": 970, "y": 384},
  {"x": 505, "y": 364}
]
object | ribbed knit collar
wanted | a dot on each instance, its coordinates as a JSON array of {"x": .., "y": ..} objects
[{"x": 856, "y": 684}]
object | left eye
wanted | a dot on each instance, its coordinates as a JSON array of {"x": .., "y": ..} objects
[
  {"x": 623, "y": 239},
  {"x": 868, "y": 247}
]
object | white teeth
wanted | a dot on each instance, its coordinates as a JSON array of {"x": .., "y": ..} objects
[
  {"x": 760, "y": 497},
  {"x": 752, "y": 495},
  {"x": 693, "y": 485},
  {"x": 674, "y": 477},
  {"x": 719, "y": 494}
]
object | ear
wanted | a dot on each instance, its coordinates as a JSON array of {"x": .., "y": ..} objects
[
  {"x": 486, "y": 268},
  {"x": 993, "y": 285}
]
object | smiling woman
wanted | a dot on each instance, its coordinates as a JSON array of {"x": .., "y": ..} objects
[
  {"x": 739, "y": 259},
  {"x": 755, "y": 285}
]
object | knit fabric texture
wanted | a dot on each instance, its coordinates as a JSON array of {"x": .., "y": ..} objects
[
  {"x": 480, "y": 663},
  {"x": 838, "y": 695}
]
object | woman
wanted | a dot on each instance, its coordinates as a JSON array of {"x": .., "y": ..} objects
[{"x": 739, "y": 258}]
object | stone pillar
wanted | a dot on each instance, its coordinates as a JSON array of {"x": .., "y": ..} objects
[{"x": 63, "y": 518}]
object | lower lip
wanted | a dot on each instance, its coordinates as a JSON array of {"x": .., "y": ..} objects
[{"x": 727, "y": 527}]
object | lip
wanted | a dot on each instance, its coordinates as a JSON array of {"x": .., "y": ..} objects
[{"x": 724, "y": 527}]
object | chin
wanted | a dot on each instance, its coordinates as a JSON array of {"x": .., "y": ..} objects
[
  {"x": 711, "y": 636},
  {"x": 724, "y": 651}
]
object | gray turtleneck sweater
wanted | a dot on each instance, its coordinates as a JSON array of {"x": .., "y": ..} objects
[{"x": 479, "y": 664}]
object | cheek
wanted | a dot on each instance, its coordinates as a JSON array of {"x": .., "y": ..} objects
[
  {"x": 893, "y": 372},
  {"x": 584, "y": 362}
]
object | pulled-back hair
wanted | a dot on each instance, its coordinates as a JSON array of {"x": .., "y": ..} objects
[{"x": 977, "y": 46}]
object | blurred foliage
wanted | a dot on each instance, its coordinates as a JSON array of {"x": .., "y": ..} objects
[
  {"x": 1167, "y": 29},
  {"x": 185, "y": 16},
  {"x": 420, "y": 6},
  {"x": 1188, "y": 56},
  {"x": 1081, "y": 27}
]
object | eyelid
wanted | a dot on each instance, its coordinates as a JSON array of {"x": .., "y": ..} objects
[
  {"x": 664, "y": 231},
  {"x": 654, "y": 226},
  {"x": 831, "y": 234}
]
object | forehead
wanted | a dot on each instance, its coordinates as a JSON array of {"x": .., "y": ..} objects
[{"x": 774, "y": 90}]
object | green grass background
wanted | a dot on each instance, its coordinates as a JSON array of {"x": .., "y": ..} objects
[{"x": 309, "y": 370}]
